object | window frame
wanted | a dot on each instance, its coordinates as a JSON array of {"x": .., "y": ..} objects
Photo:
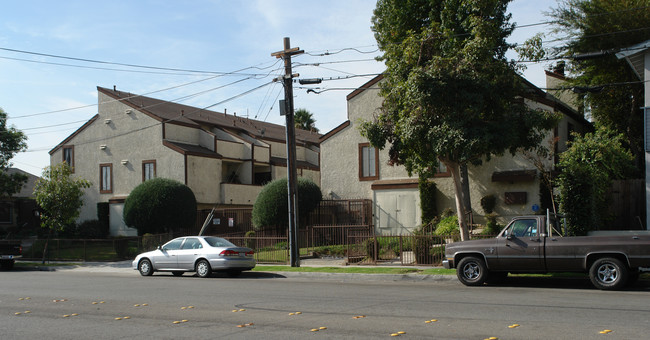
[
  {"x": 361, "y": 163},
  {"x": 102, "y": 189},
  {"x": 144, "y": 173},
  {"x": 442, "y": 174},
  {"x": 63, "y": 151}
]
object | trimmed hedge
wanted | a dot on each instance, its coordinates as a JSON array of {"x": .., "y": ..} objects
[
  {"x": 272, "y": 207},
  {"x": 160, "y": 205}
]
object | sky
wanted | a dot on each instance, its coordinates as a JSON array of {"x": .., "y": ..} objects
[{"x": 54, "y": 54}]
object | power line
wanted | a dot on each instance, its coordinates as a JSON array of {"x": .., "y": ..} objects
[
  {"x": 116, "y": 63},
  {"x": 100, "y": 68},
  {"x": 134, "y": 96},
  {"x": 55, "y": 125},
  {"x": 273, "y": 104}
]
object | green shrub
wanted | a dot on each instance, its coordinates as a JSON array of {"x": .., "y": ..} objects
[
  {"x": 428, "y": 192},
  {"x": 336, "y": 251},
  {"x": 281, "y": 245},
  {"x": 160, "y": 205},
  {"x": 588, "y": 167},
  {"x": 492, "y": 227},
  {"x": 488, "y": 203},
  {"x": 249, "y": 238},
  {"x": 92, "y": 229},
  {"x": 271, "y": 205},
  {"x": 370, "y": 245},
  {"x": 447, "y": 226}
]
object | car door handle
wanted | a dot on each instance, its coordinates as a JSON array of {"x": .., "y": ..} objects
[{"x": 535, "y": 239}]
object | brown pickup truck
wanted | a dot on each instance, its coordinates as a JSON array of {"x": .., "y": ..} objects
[
  {"x": 536, "y": 244},
  {"x": 9, "y": 252}
]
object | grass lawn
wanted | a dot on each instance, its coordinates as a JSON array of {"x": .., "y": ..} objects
[{"x": 357, "y": 270}]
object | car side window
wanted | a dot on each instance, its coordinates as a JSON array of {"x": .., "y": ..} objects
[
  {"x": 192, "y": 243},
  {"x": 173, "y": 244}
]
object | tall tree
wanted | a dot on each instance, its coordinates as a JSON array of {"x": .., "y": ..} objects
[
  {"x": 304, "y": 119},
  {"x": 600, "y": 28},
  {"x": 12, "y": 141},
  {"x": 59, "y": 196},
  {"x": 450, "y": 94}
]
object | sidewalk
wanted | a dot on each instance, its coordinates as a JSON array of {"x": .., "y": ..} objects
[{"x": 124, "y": 267}]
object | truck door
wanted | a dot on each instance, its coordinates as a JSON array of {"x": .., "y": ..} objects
[{"x": 519, "y": 247}]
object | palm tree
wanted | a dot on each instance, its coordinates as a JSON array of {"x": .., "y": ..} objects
[{"x": 303, "y": 119}]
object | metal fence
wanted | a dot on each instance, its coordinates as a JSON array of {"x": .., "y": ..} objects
[{"x": 356, "y": 244}]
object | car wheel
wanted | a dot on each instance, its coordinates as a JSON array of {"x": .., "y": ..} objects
[
  {"x": 472, "y": 271},
  {"x": 178, "y": 273},
  {"x": 608, "y": 274},
  {"x": 145, "y": 267},
  {"x": 233, "y": 273},
  {"x": 203, "y": 268}
]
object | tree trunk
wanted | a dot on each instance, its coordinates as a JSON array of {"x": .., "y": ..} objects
[
  {"x": 454, "y": 168},
  {"x": 467, "y": 201}
]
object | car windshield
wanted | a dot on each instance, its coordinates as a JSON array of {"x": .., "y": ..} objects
[{"x": 218, "y": 242}]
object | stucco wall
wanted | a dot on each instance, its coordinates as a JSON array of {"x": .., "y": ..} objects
[
  {"x": 340, "y": 173},
  {"x": 182, "y": 134},
  {"x": 204, "y": 178},
  {"x": 132, "y": 137}
]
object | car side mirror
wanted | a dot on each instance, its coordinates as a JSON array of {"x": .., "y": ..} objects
[
  {"x": 159, "y": 247},
  {"x": 509, "y": 237}
]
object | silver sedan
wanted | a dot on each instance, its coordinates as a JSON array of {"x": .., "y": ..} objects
[{"x": 200, "y": 254}]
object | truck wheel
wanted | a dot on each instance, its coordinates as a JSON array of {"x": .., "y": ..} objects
[
  {"x": 472, "y": 271},
  {"x": 608, "y": 274}
]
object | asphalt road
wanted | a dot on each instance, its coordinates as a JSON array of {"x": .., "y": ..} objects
[{"x": 85, "y": 304}]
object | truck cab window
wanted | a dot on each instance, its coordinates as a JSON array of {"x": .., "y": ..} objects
[{"x": 522, "y": 228}]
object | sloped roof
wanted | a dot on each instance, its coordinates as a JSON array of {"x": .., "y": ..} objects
[
  {"x": 28, "y": 188},
  {"x": 635, "y": 56},
  {"x": 175, "y": 113},
  {"x": 533, "y": 93},
  {"x": 191, "y": 149}
]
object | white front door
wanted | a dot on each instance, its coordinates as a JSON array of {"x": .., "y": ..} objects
[{"x": 397, "y": 211}]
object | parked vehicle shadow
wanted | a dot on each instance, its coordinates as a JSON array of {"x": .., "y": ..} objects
[
  {"x": 562, "y": 282},
  {"x": 248, "y": 275}
]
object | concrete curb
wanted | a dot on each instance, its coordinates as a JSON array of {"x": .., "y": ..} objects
[{"x": 124, "y": 267}]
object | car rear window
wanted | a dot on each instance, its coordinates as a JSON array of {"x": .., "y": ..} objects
[{"x": 218, "y": 242}]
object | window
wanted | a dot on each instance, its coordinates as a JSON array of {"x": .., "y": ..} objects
[
  {"x": 368, "y": 162},
  {"x": 442, "y": 171},
  {"x": 192, "y": 243},
  {"x": 148, "y": 170},
  {"x": 106, "y": 178},
  {"x": 68, "y": 155},
  {"x": 522, "y": 228},
  {"x": 174, "y": 244}
]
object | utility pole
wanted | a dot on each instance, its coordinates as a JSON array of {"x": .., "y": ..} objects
[{"x": 292, "y": 176}]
